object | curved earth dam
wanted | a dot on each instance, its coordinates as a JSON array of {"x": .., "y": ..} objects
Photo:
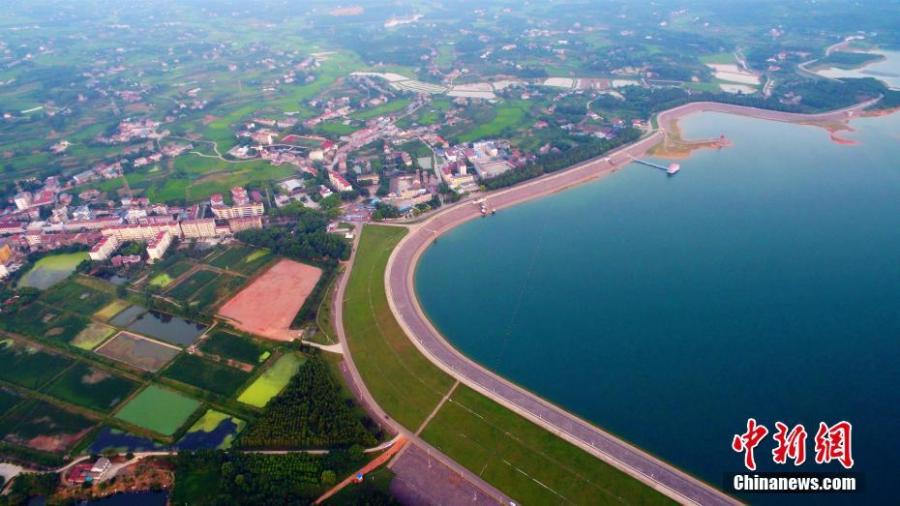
[{"x": 761, "y": 281}]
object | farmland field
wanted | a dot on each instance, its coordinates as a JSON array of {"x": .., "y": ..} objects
[
  {"x": 91, "y": 387},
  {"x": 272, "y": 380},
  {"x": 75, "y": 297},
  {"x": 206, "y": 375},
  {"x": 214, "y": 430},
  {"x": 138, "y": 351},
  {"x": 508, "y": 115},
  {"x": 230, "y": 257},
  {"x": 27, "y": 366},
  {"x": 228, "y": 345},
  {"x": 52, "y": 269},
  {"x": 159, "y": 410},
  {"x": 64, "y": 327},
  {"x": 242, "y": 259},
  {"x": 165, "y": 278},
  {"x": 184, "y": 290},
  {"x": 93, "y": 335},
  {"x": 107, "y": 312},
  {"x": 218, "y": 289},
  {"x": 161, "y": 280},
  {"x": 8, "y": 399},
  {"x": 41, "y": 321},
  {"x": 42, "y": 426}
]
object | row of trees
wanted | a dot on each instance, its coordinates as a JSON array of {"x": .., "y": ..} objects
[
  {"x": 216, "y": 477},
  {"x": 309, "y": 413},
  {"x": 553, "y": 162},
  {"x": 305, "y": 239}
]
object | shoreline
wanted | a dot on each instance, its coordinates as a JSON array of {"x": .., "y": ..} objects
[{"x": 399, "y": 282}]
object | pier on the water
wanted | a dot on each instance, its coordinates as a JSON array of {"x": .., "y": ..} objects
[{"x": 671, "y": 170}]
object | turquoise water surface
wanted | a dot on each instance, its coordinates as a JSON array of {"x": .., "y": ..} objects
[{"x": 761, "y": 281}]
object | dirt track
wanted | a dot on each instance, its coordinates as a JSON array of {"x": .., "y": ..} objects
[{"x": 268, "y": 305}]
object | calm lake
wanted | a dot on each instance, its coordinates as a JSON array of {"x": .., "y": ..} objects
[{"x": 761, "y": 281}]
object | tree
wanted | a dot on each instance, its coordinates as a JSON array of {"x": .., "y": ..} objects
[{"x": 328, "y": 477}]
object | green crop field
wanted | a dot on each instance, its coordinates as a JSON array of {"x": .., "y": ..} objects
[
  {"x": 42, "y": 426},
  {"x": 8, "y": 400},
  {"x": 381, "y": 110},
  {"x": 402, "y": 381},
  {"x": 107, "y": 312},
  {"x": 75, "y": 297},
  {"x": 65, "y": 327},
  {"x": 159, "y": 409},
  {"x": 527, "y": 462},
  {"x": 92, "y": 336},
  {"x": 91, "y": 387},
  {"x": 217, "y": 290},
  {"x": 272, "y": 380},
  {"x": 28, "y": 321},
  {"x": 228, "y": 345},
  {"x": 243, "y": 259},
  {"x": 52, "y": 269},
  {"x": 508, "y": 115},
  {"x": 27, "y": 366},
  {"x": 230, "y": 257},
  {"x": 163, "y": 278},
  {"x": 184, "y": 290},
  {"x": 206, "y": 375}
]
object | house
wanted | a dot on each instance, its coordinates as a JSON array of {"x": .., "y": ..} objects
[
  {"x": 368, "y": 179},
  {"x": 156, "y": 247},
  {"x": 22, "y": 200},
  {"x": 103, "y": 249},
  {"x": 235, "y": 225},
  {"x": 340, "y": 184}
]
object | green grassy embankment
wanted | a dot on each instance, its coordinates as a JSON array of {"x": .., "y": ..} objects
[
  {"x": 403, "y": 382},
  {"x": 511, "y": 453},
  {"x": 526, "y": 461}
]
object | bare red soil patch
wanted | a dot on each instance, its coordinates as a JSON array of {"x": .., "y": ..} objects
[{"x": 268, "y": 305}]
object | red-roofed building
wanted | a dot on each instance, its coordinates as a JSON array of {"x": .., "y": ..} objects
[
  {"x": 239, "y": 196},
  {"x": 43, "y": 198},
  {"x": 157, "y": 246},
  {"x": 103, "y": 249},
  {"x": 340, "y": 184}
]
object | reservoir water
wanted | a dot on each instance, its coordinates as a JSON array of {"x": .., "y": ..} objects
[
  {"x": 761, "y": 281},
  {"x": 886, "y": 70}
]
